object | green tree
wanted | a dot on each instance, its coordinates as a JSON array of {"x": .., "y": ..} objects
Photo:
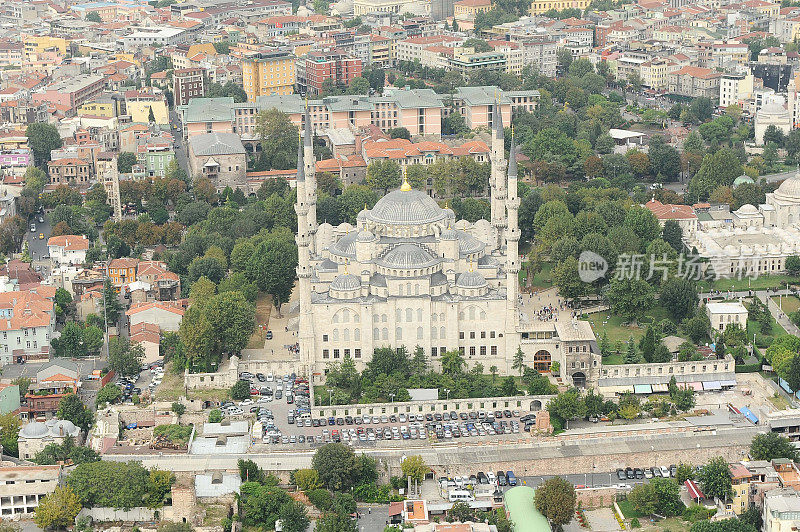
[
  {"x": 114, "y": 484},
  {"x": 110, "y": 393},
  {"x": 272, "y": 268},
  {"x": 683, "y": 473},
  {"x": 770, "y": 446},
  {"x": 293, "y": 514},
  {"x": 111, "y": 304},
  {"x": 240, "y": 391},
  {"x": 123, "y": 357},
  {"x": 307, "y": 479},
  {"x": 679, "y": 297},
  {"x": 631, "y": 354},
  {"x": 567, "y": 278},
  {"x": 9, "y": 433},
  {"x": 414, "y": 467},
  {"x": 629, "y": 297},
  {"x": 215, "y": 416},
  {"x": 519, "y": 361},
  {"x": 42, "y": 139},
  {"x": 335, "y": 522},
  {"x": 673, "y": 235},
  {"x": 452, "y": 363},
  {"x": 555, "y": 499},
  {"x": 232, "y": 320},
  {"x": 58, "y": 510},
  {"x": 567, "y": 406},
  {"x": 72, "y": 408},
  {"x": 178, "y": 408},
  {"x": 399, "y": 133},
  {"x": 715, "y": 479},
  {"x": 337, "y": 466},
  {"x": 93, "y": 16},
  {"x": 383, "y": 175}
]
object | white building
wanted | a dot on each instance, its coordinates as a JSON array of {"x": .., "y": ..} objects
[
  {"x": 36, "y": 435},
  {"x": 150, "y": 35},
  {"x": 772, "y": 114},
  {"x": 735, "y": 89},
  {"x": 724, "y": 314},
  {"x": 23, "y": 486},
  {"x": 27, "y": 321},
  {"x": 781, "y": 510},
  {"x": 68, "y": 249},
  {"x": 410, "y": 275},
  {"x": 753, "y": 240}
]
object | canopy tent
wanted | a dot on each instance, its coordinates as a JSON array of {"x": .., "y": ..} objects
[
  {"x": 696, "y": 386},
  {"x": 642, "y": 388},
  {"x": 712, "y": 385},
  {"x": 694, "y": 490},
  {"x": 749, "y": 415},
  {"x": 660, "y": 388},
  {"x": 727, "y": 384}
]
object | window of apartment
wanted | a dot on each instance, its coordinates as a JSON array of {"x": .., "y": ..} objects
[
  {"x": 461, "y": 335},
  {"x": 324, "y": 337},
  {"x": 433, "y": 351},
  {"x": 325, "y": 353},
  {"x": 494, "y": 350},
  {"x": 357, "y": 353}
]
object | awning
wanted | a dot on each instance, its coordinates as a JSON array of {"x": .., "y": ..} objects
[
  {"x": 657, "y": 388},
  {"x": 712, "y": 385},
  {"x": 696, "y": 386},
  {"x": 747, "y": 413},
  {"x": 642, "y": 388},
  {"x": 725, "y": 384},
  {"x": 694, "y": 490}
]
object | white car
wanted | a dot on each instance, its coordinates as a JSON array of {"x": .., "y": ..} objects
[
  {"x": 246, "y": 402},
  {"x": 270, "y": 377},
  {"x": 664, "y": 471}
]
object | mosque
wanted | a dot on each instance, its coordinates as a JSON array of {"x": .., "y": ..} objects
[
  {"x": 409, "y": 274},
  {"x": 752, "y": 240}
]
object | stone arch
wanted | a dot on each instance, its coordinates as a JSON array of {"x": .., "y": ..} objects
[
  {"x": 542, "y": 360},
  {"x": 579, "y": 379},
  {"x": 536, "y": 405}
]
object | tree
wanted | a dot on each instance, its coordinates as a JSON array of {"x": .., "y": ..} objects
[
  {"x": 279, "y": 138},
  {"x": 519, "y": 361},
  {"x": 664, "y": 159},
  {"x": 307, "y": 479},
  {"x": 555, "y": 499},
  {"x": 179, "y": 409},
  {"x": 770, "y": 446},
  {"x": 679, "y": 297},
  {"x": 453, "y": 363},
  {"x": 683, "y": 473},
  {"x": 72, "y": 408},
  {"x": 631, "y": 355},
  {"x": 293, "y": 514},
  {"x": 643, "y": 223},
  {"x": 42, "y": 139},
  {"x": 93, "y": 16},
  {"x": 383, "y": 175},
  {"x": 115, "y": 484},
  {"x": 335, "y": 522},
  {"x": 110, "y": 393},
  {"x": 718, "y": 169},
  {"x": 715, "y": 479},
  {"x": 159, "y": 485},
  {"x": 567, "y": 278},
  {"x": 358, "y": 85},
  {"x": 414, "y": 467},
  {"x": 461, "y": 512},
  {"x": 240, "y": 391},
  {"x": 726, "y": 525},
  {"x": 567, "y": 406},
  {"x": 58, "y": 510},
  {"x": 215, "y": 416},
  {"x": 629, "y": 297},
  {"x": 232, "y": 320},
  {"x": 400, "y": 133},
  {"x": 793, "y": 264},
  {"x": 123, "y": 357},
  {"x": 111, "y": 304},
  {"x": 337, "y": 466},
  {"x": 673, "y": 235},
  {"x": 272, "y": 267},
  {"x": 9, "y": 433}
]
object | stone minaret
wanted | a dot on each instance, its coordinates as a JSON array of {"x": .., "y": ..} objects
[
  {"x": 497, "y": 179},
  {"x": 311, "y": 180},
  {"x": 512, "y": 232},
  {"x": 303, "y": 239}
]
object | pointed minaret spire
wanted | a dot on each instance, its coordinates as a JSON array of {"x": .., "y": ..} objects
[
  {"x": 512, "y": 156},
  {"x": 309, "y": 136},
  {"x": 497, "y": 120},
  {"x": 301, "y": 164}
]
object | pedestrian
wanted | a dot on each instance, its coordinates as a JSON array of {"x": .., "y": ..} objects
[{"x": 369, "y": 511}]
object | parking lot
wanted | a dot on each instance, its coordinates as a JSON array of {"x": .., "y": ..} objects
[{"x": 281, "y": 404}]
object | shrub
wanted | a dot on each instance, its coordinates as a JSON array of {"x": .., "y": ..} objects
[
  {"x": 215, "y": 416},
  {"x": 635, "y": 523},
  {"x": 695, "y": 513},
  {"x": 321, "y": 499}
]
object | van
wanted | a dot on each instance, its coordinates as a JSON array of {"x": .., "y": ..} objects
[
  {"x": 460, "y": 495},
  {"x": 510, "y": 478}
]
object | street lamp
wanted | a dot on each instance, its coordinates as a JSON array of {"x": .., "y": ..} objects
[
  {"x": 447, "y": 393},
  {"x": 391, "y": 395}
]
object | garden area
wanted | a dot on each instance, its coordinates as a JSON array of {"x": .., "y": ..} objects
[
  {"x": 763, "y": 282},
  {"x": 619, "y": 331}
]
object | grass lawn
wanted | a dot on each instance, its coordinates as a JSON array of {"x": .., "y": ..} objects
[
  {"x": 214, "y": 515},
  {"x": 628, "y": 510},
  {"x": 759, "y": 283},
  {"x": 789, "y": 304},
  {"x": 612, "y": 325},
  {"x": 614, "y": 359},
  {"x": 263, "y": 309},
  {"x": 171, "y": 388},
  {"x": 779, "y": 401},
  {"x": 673, "y": 524},
  {"x": 543, "y": 279},
  {"x": 755, "y": 328}
]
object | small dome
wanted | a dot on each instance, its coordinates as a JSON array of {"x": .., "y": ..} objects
[
  {"x": 470, "y": 280},
  {"x": 64, "y": 427},
  {"x": 408, "y": 256},
  {"x": 438, "y": 279},
  {"x": 742, "y": 179},
  {"x": 346, "y": 281},
  {"x": 449, "y": 234},
  {"x": 365, "y": 236},
  {"x": 747, "y": 209},
  {"x": 328, "y": 265},
  {"x": 34, "y": 429},
  {"x": 468, "y": 244}
]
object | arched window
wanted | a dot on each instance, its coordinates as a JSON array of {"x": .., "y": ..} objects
[
  {"x": 385, "y": 333},
  {"x": 384, "y": 318},
  {"x": 442, "y": 334},
  {"x": 346, "y": 335},
  {"x": 419, "y": 314},
  {"x": 400, "y": 288},
  {"x": 434, "y": 316},
  {"x": 483, "y": 315},
  {"x": 345, "y": 315},
  {"x": 376, "y": 334},
  {"x": 357, "y": 335},
  {"x": 356, "y": 318},
  {"x": 398, "y": 334},
  {"x": 399, "y": 315},
  {"x": 336, "y": 318},
  {"x": 376, "y": 318},
  {"x": 409, "y": 314},
  {"x": 416, "y": 289},
  {"x": 461, "y": 315},
  {"x": 433, "y": 333},
  {"x": 471, "y": 313},
  {"x": 441, "y": 316},
  {"x": 408, "y": 288},
  {"x": 419, "y": 333},
  {"x": 336, "y": 335}
]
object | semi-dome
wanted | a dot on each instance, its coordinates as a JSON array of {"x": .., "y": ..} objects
[
  {"x": 34, "y": 429},
  {"x": 468, "y": 244},
  {"x": 789, "y": 189},
  {"x": 470, "y": 279},
  {"x": 346, "y": 281},
  {"x": 405, "y": 207},
  {"x": 345, "y": 246},
  {"x": 408, "y": 256},
  {"x": 365, "y": 236}
]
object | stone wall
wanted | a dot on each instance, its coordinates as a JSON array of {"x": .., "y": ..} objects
[
  {"x": 226, "y": 377},
  {"x": 523, "y": 403},
  {"x": 596, "y": 497}
]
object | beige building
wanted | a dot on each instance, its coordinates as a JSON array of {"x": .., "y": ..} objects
[
  {"x": 35, "y": 436},
  {"x": 735, "y": 89},
  {"x": 166, "y": 315},
  {"x": 695, "y": 82},
  {"x": 221, "y": 158},
  {"x": 23, "y": 486},
  {"x": 542, "y": 6},
  {"x": 468, "y": 9},
  {"x": 268, "y": 73},
  {"x": 725, "y": 314},
  {"x": 782, "y": 510}
]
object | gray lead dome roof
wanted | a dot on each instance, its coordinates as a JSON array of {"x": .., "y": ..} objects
[
  {"x": 470, "y": 280},
  {"x": 402, "y": 207},
  {"x": 408, "y": 256},
  {"x": 346, "y": 281}
]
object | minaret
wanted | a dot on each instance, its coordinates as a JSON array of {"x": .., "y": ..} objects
[
  {"x": 512, "y": 254},
  {"x": 303, "y": 239},
  {"x": 497, "y": 179},
  {"x": 311, "y": 180}
]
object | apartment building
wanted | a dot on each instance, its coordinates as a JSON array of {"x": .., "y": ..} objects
[
  {"x": 735, "y": 89},
  {"x": 268, "y": 73},
  {"x": 315, "y": 68},
  {"x": 11, "y": 53},
  {"x": 540, "y": 52},
  {"x": 694, "y": 82},
  {"x": 466, "y": 61},
  {"x": 71, "y": 92},
  {"x": 513, "y": 53},
  {"x": 68, "y": 249},
  {"x": 154, "y": 36},
  {"x": 122, "y": 271},
  {"x": 54, "y": 380},
  {"x": 70, "y": 171},
  {"x": 27, "y": 321},
  {"x": 654, "y": 74},
  {"x": 468, "y": 9},
  {"x": 412, "y": 49},
  {"x": 542, "y": 6},
  {"x": 188, "y": 83},
  {"x": 23, "y": 486},
  {"x": 781, "y": 510}
]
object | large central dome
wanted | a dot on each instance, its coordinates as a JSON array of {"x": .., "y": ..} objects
[
  {"x": 406, "y": 207},
  {"x": 789, "y": 189}
]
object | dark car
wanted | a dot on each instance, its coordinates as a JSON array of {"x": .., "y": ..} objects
[
  {"x": 463, "y": 416},
  {"x": 501, "y": 478},
  {"x": 621, "y": 474},
  {"x": 507, "y": 413},
  {"x": 331, "y": 420},
  {"x": 639, "y": 473},
  {"x": 437, "y": 416},
  {"x": 315, "y": 422},
  {"x": 482, "y": 478},
  {"x": 673, "y": 470},
  {"x": 348, "y": 420},
  {"x": 339, "y": 421},
  {"x": 629, "y": 473},
  {"x": 261, "y": 377},
  {"x": 428, "y": 417}
]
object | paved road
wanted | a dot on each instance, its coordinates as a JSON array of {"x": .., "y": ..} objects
[
  {"x": 180, "y": 146},
  {"x": 38, "y": 246}
]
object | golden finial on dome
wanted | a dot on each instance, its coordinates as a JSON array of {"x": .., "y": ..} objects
[
  {"x": 346, "y": 261},
  {"x": 470, "y": 264},
  {"x": 406, "y": 186}
]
